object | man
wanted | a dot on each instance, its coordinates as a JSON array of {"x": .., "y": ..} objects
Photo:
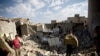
[
  {"x": 71, "y": 42},
  {"x": 97, "y": 39},
  {"x": 56, "y": 31},
  {"x": 16, "y": 44},
  {"x": 60, "y": 30}
]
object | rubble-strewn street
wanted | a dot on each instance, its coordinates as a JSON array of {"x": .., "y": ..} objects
[
  {"x": 32, "y": 48},
  {"x": 47, "y": 39},
  {"x": 49, "y": 27}
]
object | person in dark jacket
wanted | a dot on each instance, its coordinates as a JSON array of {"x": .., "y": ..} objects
[{"x": 97, "y": 40}]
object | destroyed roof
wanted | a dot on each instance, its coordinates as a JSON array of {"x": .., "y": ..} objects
[
  {"x": 20, "y": 19},
  {"x": 5, "y": 19}
]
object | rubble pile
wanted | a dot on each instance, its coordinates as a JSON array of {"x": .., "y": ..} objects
[
  {"x": 31, "y": 48},
  {"x": 28, "y": 48},
  {"x": 47, "y": 39},
  {"x": 85, "y": 40}
]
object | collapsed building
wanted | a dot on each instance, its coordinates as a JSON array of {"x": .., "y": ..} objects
[
  {"x": 77, "y": 24},
  {"x": 44, "y": 32},
  {"x": 8, "y": 29}
]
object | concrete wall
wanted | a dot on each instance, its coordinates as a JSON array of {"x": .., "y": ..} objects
[
  {"x": 77, "y": 19},
  {"x": 8, "y": 28},
  {"x": 53, "y": 21},
  {"x": 73, "y": 19},
  {"x": 40, "y": 27},
  {"x": 49, "y": 25},
  {"x": 65, "y": 26},
  {"x": 93, "y": 14},
  {"x": 4, "y": 45},
  {"x": 24, "y": 29},
  {"x": 34, "y": 27}
]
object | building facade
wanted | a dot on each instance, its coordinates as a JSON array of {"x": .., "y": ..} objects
[{"x": 77, "y": 19}]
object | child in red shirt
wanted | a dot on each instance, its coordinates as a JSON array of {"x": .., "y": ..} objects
[{"x": 16, "y": 44}]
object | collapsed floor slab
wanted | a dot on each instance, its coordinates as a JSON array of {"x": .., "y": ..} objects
[{"x": 4, "y": 46}]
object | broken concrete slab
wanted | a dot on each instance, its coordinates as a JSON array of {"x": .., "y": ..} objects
[
  {"x": 4, "y": 45},
  {"x": 54, "y": 41}
]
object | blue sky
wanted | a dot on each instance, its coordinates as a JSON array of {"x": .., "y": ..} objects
[{"x": 43, "y": 11}]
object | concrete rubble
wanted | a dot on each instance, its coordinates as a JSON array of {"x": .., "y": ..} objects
[
  {"x": 45, "y": 40},
  {"x": 32, "y": 48}
]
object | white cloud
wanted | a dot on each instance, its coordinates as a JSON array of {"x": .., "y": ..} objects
[
  {"x": 57, "y": 2},
  {"x": 69, "y": 11},
  {"x": 44, "y": 13},
  {"x": 31, "y": 7},
  {"x": 78, "y": 8},
  {"x": 24, "y": 8},
  {"x": 37, "y": 3},
  {"x": 75, "y": 8},
  {"x": 47, "y": 1},
  {"x": 48, "y": 13},
  {"x": 21, "y": 10},
  {"x": 57, "y": 7}
]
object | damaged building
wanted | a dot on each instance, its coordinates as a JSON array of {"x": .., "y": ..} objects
[
  {"x": 10, "y": 27},
  {"x": 7, "y": 31},
  {"x": 43, "y": 34}
]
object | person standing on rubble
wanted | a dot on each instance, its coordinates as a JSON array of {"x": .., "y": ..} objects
[
  {"x": 55, "y": 30},
  {"x": 16, "y": 45},
  {"x": 60, "y": 30},
  {"x": 71, "y": 42},
  {"x": 97, "y": 39}
]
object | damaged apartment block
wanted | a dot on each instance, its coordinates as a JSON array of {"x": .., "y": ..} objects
[{"x": 8, "y": 29}]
